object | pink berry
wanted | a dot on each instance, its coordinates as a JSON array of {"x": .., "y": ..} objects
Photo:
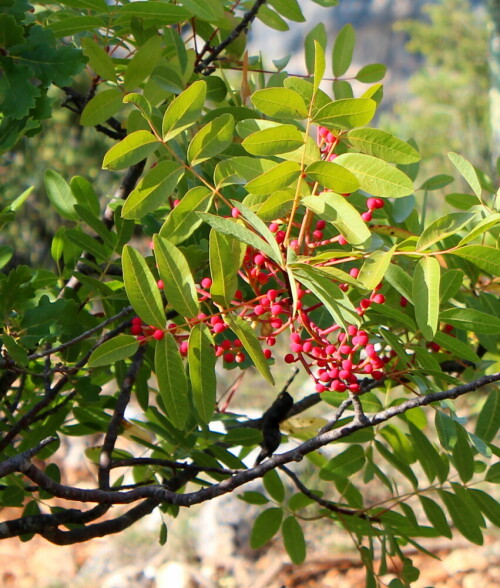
[
  {"x": 295, "y": 338},
  {"x": 183, "y": 348},
  {"x": 318, "y": 235},
  {"x": 219, "y": 328},
  {"x": 319, "y": 388},
  {"x": 276, "y": 309},
  {"x": 259, "y": 310},
  {"x": 338, "y": 386},
  {"x": 273, "y": 227},
  {"x": 342, "y": 240},
  {"x": 354, "y": 388},
  {"x": 294, "y": 244},
  {"x": 365, "y": 303},
  {"x": 235, "y": 213},
  {"x": 379, "y": 299},
  {"x": 307, "y": 347},
  {"x": 345, "y": 349},
  {"x": 330, "y": 137},
  {"x": 352, "y": 330},
  {"x": 354, "y": 272},
  {"x": 259, "y": 259},
  {"x": 206, "y": 283},
  {"x": 330, "y": 349},
  {"x": 158, "y": 335},
  {"x": 371, "y": 203},
  {"x": 272, "y": 294},
  {"x": 296, "y": 347},
  {"x": 276, "y": 322},
  {"x": 367, "y": 216},
  {"x": 323, "y": 132}
]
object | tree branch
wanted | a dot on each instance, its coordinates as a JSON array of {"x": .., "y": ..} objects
[
  {"x": 162, "y": 494},
  {"x": 245, "y": 22}
]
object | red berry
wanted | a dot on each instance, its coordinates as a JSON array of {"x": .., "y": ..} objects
[
  {"x": 271, "y": 341},
  {"x": 265, "y": 302},
  {"x": 377, "y": 375},
  {"x": 136, "y": 329},
  {"x": 238, "y": 295},
  {"x": 276, "y": 322},
  {"x": 267, "y": 353},
  {"x": 259, "y": 310},
  {"x": 320, "y": 225},
  {"x": 379, "y": 299},
  {"x": 273, "y": 227},
  {"x": 219, "y": 328},
  {"x": 137, "y": 321},
  {"x": 289, "y": 358},
  {"x": 354, "y": 272},
  {"x": 280, "y": 236},
  {"x": 259, "y": 259},
  {"x": 352, "y": 330},
  {"x": 237, "y": 343},
  {"x": 367, "y": 216},
  {"x": 226, "y": 344},
  {"x": 296, "y": 347},
  {"x": 403, "y": 301},
  {"x": 318, "y": 235},
  {"x": 338, "y": 386},
  {"x": 345, "y": 349},
  {"x": 183, "y": 348},
  {"x": 141, "y": 339},
  {"x": 272, "y": 294},
  {"x": 240, "y": 357},
  {"x": 276, "y": 309},
  {"x": 229, "y": 357},
  {"x": 319, "y": 388},
  {"x": 158, "y": 335},
  {"x": 365, "y": 303},
  {"x": 354, "y": 388},
  {"x": 307, "y": 346}
]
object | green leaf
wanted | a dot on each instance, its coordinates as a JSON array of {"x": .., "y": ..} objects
[
  {"x": 212, "y": 139},
  {"x": 116, "y": 349},
  {"x": 342, "y": 50},
  {"x": 429, "y": 458},
  {"x": 400, "y": 281},
  {"x": 270, "y": 207},
  {"x": 487, "y": 505},
  {"x": 232, "y": 227},
  {"x": 376, "y": 176},
  {"x": 76, "y": 24},
  {"x": 457, "y": 347},
  {"x": 321, "y": 285},
  {"x": 493, "y": 474},
  {"x": 253, "y": 497},
  {"x": 436, "y": 516},
  {"x": 239, "y": 170},
  {"x": 207, "y": 10},
  {"x": 17, "y": 94},
  {"x": 345, "y": 464},
  {"x": 183, "y": 220},
  {"x": 274, "y": 485},
  {"x": 426, "y": 295},
  {"x": 290, "y": 9},
  {"x": 383, "y": 145},
  {"x": 371, "y": 73},
  {"x": 482, "y": 226},
  {"x": 280, "y": 139},
  {"x": 436, "y": 182},
  {"x": 346, "y": 113},
  {"x": 172, "y": 381},
  {"x": 134, "y": 148},
  {"x": 461, "y": 516},
  {"x": 374, "y": 267},
  {"x": 471, "y": 319},
  {"x": 87, "y": 243},
  {"x": 99, "y": 60},
  {"x": 443, "y": 227},
  {"x": 294, "y": 541},
  {"x": 60, "y": 195},
  {"x": 184, "y": 111},
  {"x": 143, "y": 63},
  {"x": 485, "y": 258},
  {"x": 202, "y": 359},
  {"x": 319, "y": 64},
  {"x": 246, "y": 335},
  {"x": 225, "y": 254},
  {"x": 10, "y": 32},
  {"x": 271, "y": 18},
  {"x": 451, "y": 282},
  {"x": 332, "y": 176},
  {"x": 446, "y": 430},
  {"x": 178, "y": 282},
  {"x": 461, "y": 201},
  {"x": 155, "y": 13},
  {"x": 279, "y": 177},
  {"x": 266, "y": 525},
  {"x": 153, "y": 190},
  {"x": 14, "y": 350},
  {"x": 398, "y": 463},
  {"x": 280, "y": 103},
  {"x": 463, "y": 458},
  {"x": 141, "y": 288},
  {"x": 466, "y": 169},
  {"x": 258, "y": 225},
  {"x": 336, "y": 209},
  {"x": 85, "y": 195},
  {"x": 317, "y": 35},
  {"x": 488, "y": 420},
  {"x": 101, "y": 107}
]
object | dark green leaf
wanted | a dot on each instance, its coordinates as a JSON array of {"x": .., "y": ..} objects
[
  {"x": 114, "y": 350},
  {"x": 488, "y": 421},
  {"x": 274, "y": 485},
  {"x": 294, "y": 541},
  {"x": 202, "y": 359},
  {"x": 266, "y": 525}
]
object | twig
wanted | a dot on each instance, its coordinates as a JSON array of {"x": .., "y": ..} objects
[{"x": 247, "y": 19}]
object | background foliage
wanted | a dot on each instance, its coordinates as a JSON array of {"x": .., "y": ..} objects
[{"x": 214, "y": 216}]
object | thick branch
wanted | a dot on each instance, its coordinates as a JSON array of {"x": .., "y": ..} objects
[{"x": 162, "y": 494}]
